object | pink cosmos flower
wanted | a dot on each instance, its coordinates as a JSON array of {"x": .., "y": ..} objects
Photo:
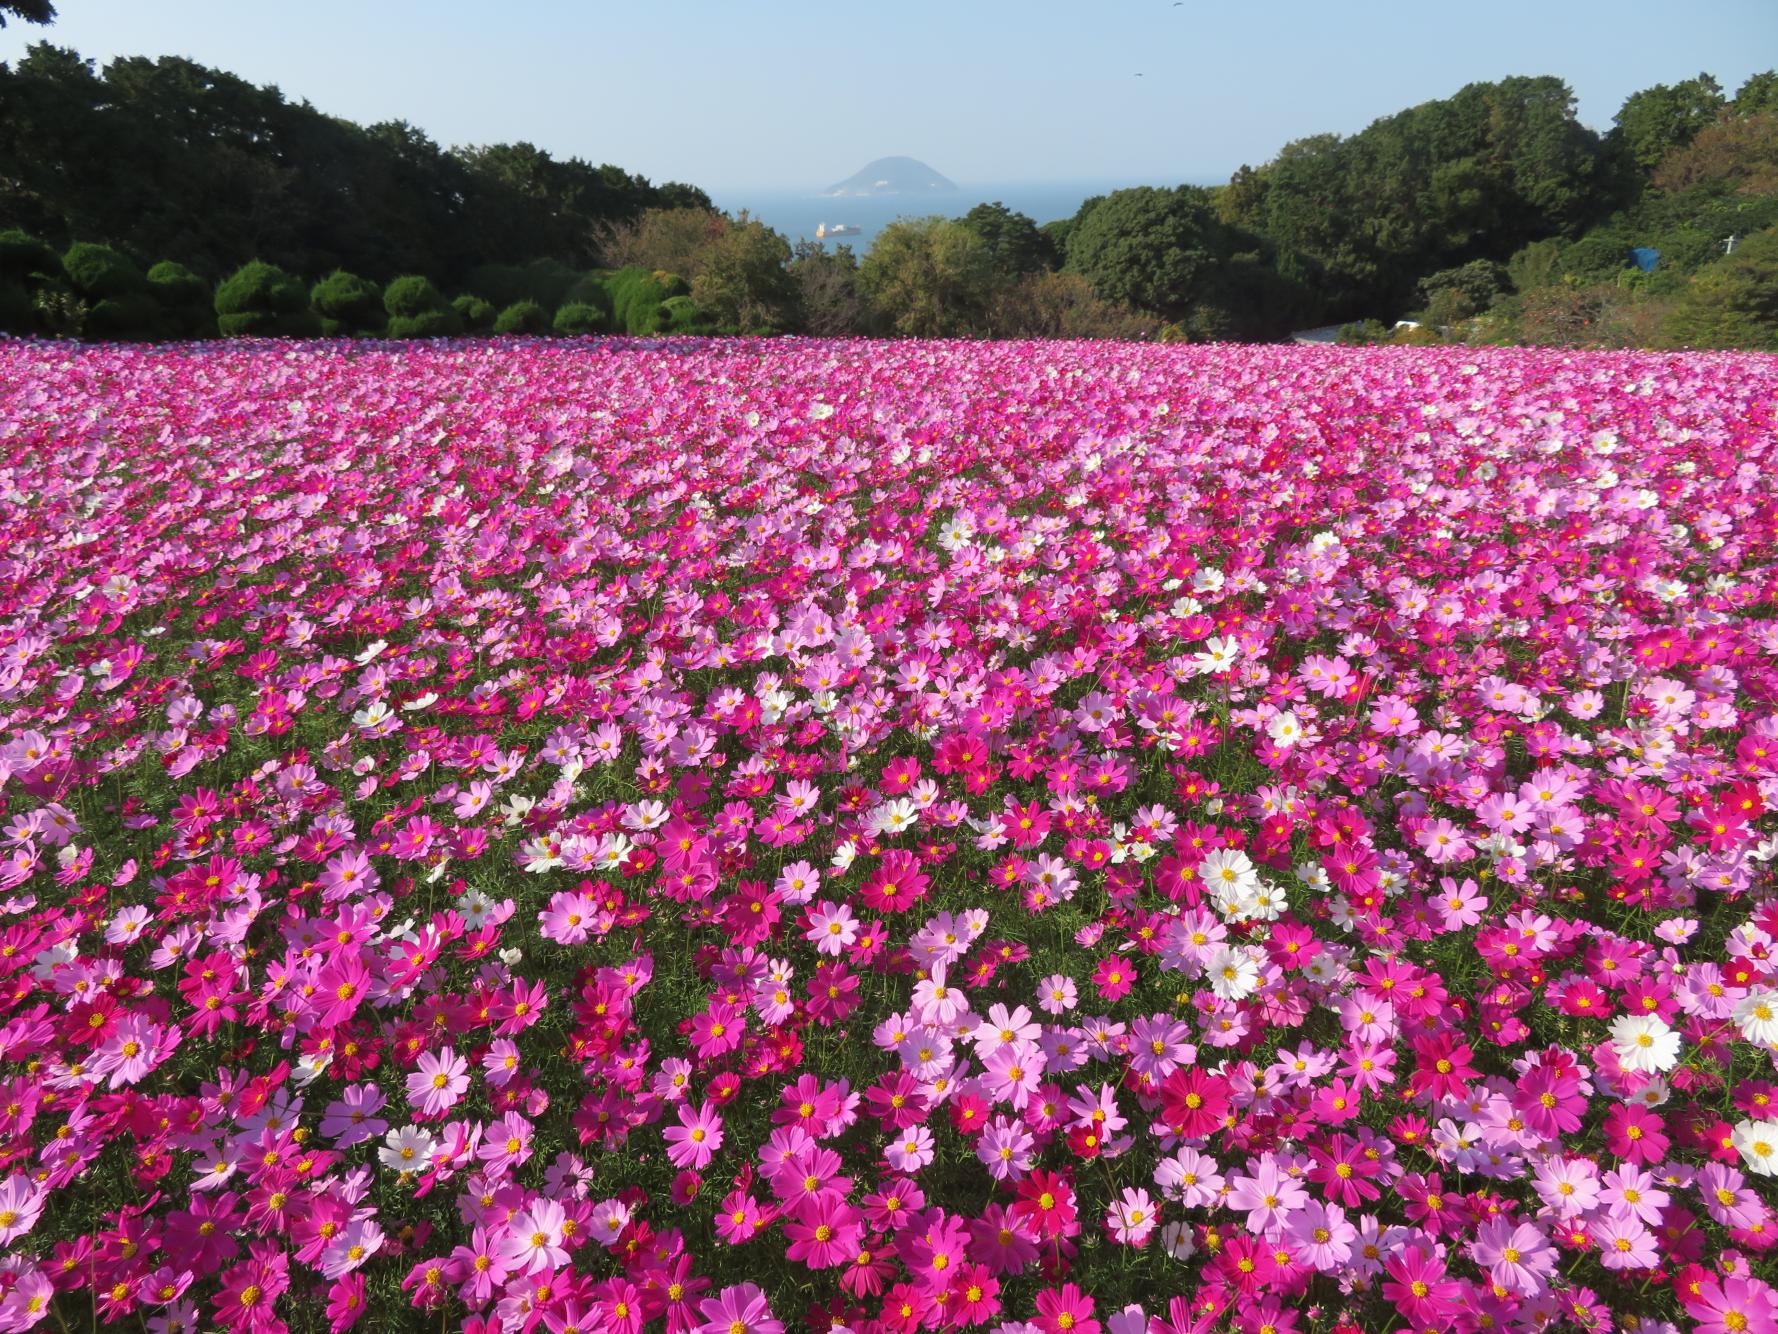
[
  {"x": 1517, "y": 1256},
  {"x": 740, "y": 1309},
  {"x": 694, "y": 1141},
  {"x": 1132, "y": 1217},
  {"x": 441, "y": 1079},
  {"x": 825, "y": 1233},
  {"x": 533, "y": 1240},
  {"x": 21, "y": 1201}
]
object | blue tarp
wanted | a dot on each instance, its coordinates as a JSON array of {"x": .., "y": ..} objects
[{"x": 1645, "y": 258}]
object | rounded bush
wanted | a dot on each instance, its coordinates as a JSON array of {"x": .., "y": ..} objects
[
  {"x": 24, "y": 257},
  {"x": 347, "y": 303},
  {"x": 98, "y": 271},
  {"x": 426, "y": 324},
  {"x": 411, "y": 296},
  {"x": 522, "y": 317},
  {"x": 476, "y": 314},
  {"x": 579, "y": 318},
  {"x": 260, "y": 299},
  {"x": 184, "y": 300},
  {"x": 684, "y": 316}
]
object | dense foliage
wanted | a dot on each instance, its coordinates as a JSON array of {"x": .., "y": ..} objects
[
  {"x": 94, "y": 155},
  {"x": 728, "y": 836},
  {"x": 1492, "y": 215}
]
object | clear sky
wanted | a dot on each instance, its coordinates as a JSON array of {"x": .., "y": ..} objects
[{"x": 761, "y": 93}]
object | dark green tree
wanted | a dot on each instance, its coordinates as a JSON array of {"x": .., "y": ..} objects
[
  {"x": 1156, "y": 250},
  {"x": 1015, "y": 244},
  {"x": 1654, "y": 122},
  {"x": 31, "y": 11}
]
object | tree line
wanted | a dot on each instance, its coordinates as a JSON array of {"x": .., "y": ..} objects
[{"x": 1492, "y": 214}]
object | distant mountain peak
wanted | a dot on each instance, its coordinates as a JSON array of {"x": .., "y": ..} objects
[{"x": 892, "y": 176}]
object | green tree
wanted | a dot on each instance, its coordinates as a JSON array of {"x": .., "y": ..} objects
[
  {"x": 742, "y": 283},
  {"x": 673, "y": 240},
  {"x": 1758, "y": 95},
  {"x": 1536, "y": 265},
  {"x": 1015, "y": 244},
  {"x": 31, "y": 11},
  {"x": 1654, "y": 122},
  {"x": 930, "y": 278},
  {"x": 1154, "y": 249}
]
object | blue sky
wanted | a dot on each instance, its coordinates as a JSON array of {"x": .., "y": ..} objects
[{"x": 760, "y": 93}]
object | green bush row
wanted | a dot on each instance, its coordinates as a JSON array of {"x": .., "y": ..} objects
[{"x": 97, "y": 292}]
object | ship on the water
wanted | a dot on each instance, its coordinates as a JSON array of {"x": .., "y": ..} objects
[{"x": 838, "y": 229}]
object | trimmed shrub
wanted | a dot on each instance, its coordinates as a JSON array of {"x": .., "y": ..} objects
[
  {"x": 579, "y": 318},
  {"x": 637, "y": 296},
  {"x": 412, "y": 295},
  {"x": 591, "y": 290},
  {"x": 417, "y": 309},
  {"x": 522, "y": 317},
  {"x": 427, "y": 324},
  {"x": 261, "y": 300},
  {"x": 476, "y": 315},
  {"x": 685, "y": 316},
  {"x": 97, "y": 271},
  {"x": 347, "y": 304},
  {"x": 184, "y": 301},
  {"x": 24, "y": 259}
]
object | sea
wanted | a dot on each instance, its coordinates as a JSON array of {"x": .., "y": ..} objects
[{"x": 798, "y": 213}]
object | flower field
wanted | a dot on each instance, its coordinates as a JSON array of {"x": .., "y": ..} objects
[{"x": 739, "y": 836}]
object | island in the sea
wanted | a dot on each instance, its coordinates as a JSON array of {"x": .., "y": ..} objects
[{"x": 891, "y": 176}]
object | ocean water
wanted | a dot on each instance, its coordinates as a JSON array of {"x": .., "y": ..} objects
[{"x": 797, "y": 213}]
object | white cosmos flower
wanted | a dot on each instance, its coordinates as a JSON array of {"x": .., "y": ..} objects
[
  {"x": 1757, "y": 1143},
  {"x": 1644, "y": 1043},
  {"x": 1757, "y": 1014},
  {"x": 1284, "y": 729},
  {"x": 1232, "y": 973}
]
